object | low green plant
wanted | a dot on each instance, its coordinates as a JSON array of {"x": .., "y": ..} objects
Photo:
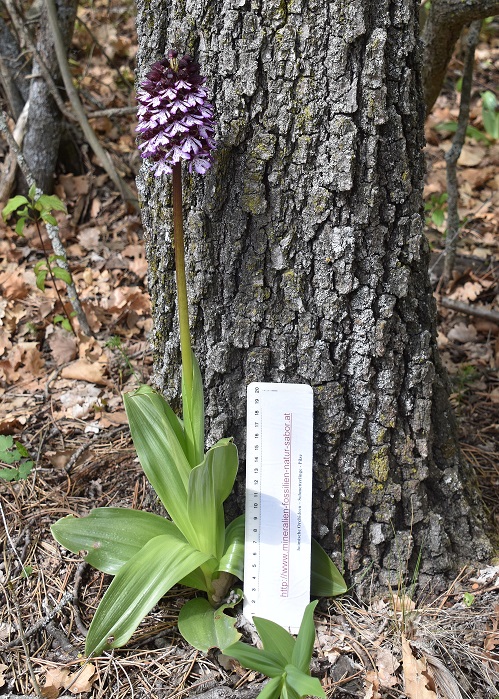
[
  {"x": 15, "y": 455},
  {"x": 435, "y": 208},
  {"x": 490, "y": 114},
  {"x": 146, "y": 553},
  {"x": 284, "y": 659},
  {"x": 38, "y": 207}
]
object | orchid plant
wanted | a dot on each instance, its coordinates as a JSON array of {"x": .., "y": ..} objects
[{"x": 146, "y": 553}]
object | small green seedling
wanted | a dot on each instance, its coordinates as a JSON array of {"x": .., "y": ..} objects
[
  {"x": 283, "y": 658},
  {"x": 435, "y": 208},
  {"x": 40, "y": 207},
  {"x": 490, "y": 114},
  {"x": 15, "y": 454},
  {"x": 468, "y": 599}
]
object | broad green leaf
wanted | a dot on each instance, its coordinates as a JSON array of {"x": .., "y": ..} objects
[
  {"x": 204, "y": 627},
  {"x": 32, "y": 191},
  {"x": 275, "y": 639},
  {"x": 6, "y": 442},
  {"x": 22, "y": 449},
  {"x": 40, "y": 279},
  {"x": 272, "y": 689},
  {"x": 110, "y": 535},
  {"x": 12, "y": 205},
  {"x": 304, "y": 646},
  {"x": 48, "y": 218},
  {"x": 8, "y": 457},
  {"x": 210, "y": 484},
  {"x": 303, "y": 684},
  {"x": 50, "y": 203},
  {"x": 60, "y": 273},
  {"x": 438, "y": 217},
  {"x": 489, "y": 100},
  {"x": 232, "y": 560},
  {"x": 20, "y": 226},
  {"x": 255, "y": 659},
  {"x": 25, "y": 469},
  {"x": 155, "y": 431},
  {"x": 326, "y": 580},
  {"x": 9, "y": 474},
  {"x": 137, "y": 587},
  {"x": 196, "y": 579},
  {"x": 193, "y": 414}
]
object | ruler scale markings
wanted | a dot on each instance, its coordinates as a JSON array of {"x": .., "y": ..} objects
[{"x": 278, "y": 502}]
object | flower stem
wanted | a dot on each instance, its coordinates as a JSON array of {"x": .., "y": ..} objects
[{"x": 183, "y": 309}]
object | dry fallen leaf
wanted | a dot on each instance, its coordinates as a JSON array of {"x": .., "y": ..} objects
[
  {"x": 2, "y": 678},
  {"x": 387, "y": 665},
  {"x": 471, "y": 155},
  {"x": 416, "y": 676},
  {"x": 372, "y": 682},
  {"x": 81, "y": 680},
  {"x": 403, "y": 603},
  {"x": 83, "y": 370},
  {"x": 462, "y": 333},
  {"x": 63, "y": 346}
]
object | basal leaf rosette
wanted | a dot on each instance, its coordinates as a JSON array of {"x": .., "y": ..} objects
[{"x": 175, "y": 117}]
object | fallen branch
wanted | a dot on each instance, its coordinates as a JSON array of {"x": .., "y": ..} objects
[
  {"x": 90, "y": 135},
  {"x": 452, "y": 156},
  {"x": 493, "y": 316},
  {"x": 53, "y": 231}
]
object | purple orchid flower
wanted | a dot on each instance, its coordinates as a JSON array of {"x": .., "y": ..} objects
[{"x": 175, "y": 118}]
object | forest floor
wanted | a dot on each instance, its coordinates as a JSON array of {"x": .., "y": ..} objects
[{"x": 61, "y": 398}]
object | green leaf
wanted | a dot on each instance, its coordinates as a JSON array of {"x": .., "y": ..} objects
[
  {"x": 438, "y": 217},
  {"x": 204, "y": 627},
  {"x": 48, "y": 218},
  {"x": 6, "y": 442},
  {"x": 20, "y": 226},
  {"x": 111, "y": 535},
  {"x": 232, "y": 560},
  {"x": 272, "y": 689},
  {"x": 196, "y": 579},
  {"x": 255, "y": 659},
  {"x": 326, "y": 580},
  {"x": 8, "y": 457},
  {"x": 275, "y": 639},
  {"x": 22, "y": 449},
  {"x": 40, "y": 279},
  {"x": 12, "y": 205},
  {"x": 51, "y": 203},
  {"x": 489, "y": 101},
  {"x": 9, "y": 474},
  {"x": 159, "y": 440},
  {"x": 210, "y": 484},
  {"x": 193, "y": 413},
  {"x": 137, "y": 587},
  {"x": 491, "y": 123},
  {"x": 32, "y": 191},
  {"x": 303, "y": 684},
  {"x": 304, "y": 646},
  {"x": 25, "y": 469},
  {"x": 60, "y": 273},
  {"x": 66, "y": 325}
]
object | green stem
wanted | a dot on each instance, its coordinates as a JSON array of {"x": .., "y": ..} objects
[{"x": 183, "y": 309}]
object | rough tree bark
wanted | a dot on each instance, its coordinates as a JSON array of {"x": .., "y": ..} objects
[
  {"x": 307, "y": 262},
  {"x": 443, "y": 26},
  {"x": 43, "y": 135}
]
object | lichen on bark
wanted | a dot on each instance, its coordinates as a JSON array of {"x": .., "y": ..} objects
[{"x": 307, "y": 262}]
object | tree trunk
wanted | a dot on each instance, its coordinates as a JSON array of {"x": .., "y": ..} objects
[
  {"x": 307, "y": 263},
  {"x": 442, "y": 29},
  {"x": 41, "y": 144}
]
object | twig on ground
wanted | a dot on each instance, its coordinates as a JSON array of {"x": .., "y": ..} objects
[
  {"x": 116, "y": 111},
  {"x": 452, "y": 156},
  {"x": 53, "y": 231},
  {"x": 76, "y": 598},
  {"x": 96, "y": 438},
  {"x": 90, "y": 135},
  {"x": 42, "y": 623},
  {"x": 493, "y": 316}
]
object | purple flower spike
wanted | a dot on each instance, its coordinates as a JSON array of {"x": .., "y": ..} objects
[{"x": 175, "y": 118}]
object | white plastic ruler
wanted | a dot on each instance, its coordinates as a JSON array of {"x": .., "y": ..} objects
[{"x": 278, "y": 502}]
